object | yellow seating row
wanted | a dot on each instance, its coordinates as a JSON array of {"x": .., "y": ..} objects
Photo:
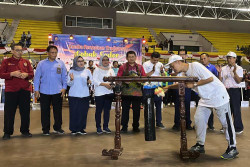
[
  {"x": 39, "y": 31},
  {"x": 226, "y": 41}
]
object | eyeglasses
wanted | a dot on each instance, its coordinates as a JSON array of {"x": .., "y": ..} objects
[
  {"x": 20, "y": 51},
  {"x": 79, "y": 61},
  {"x": 53, "y": 52},
  {"x": 105, "y": 59}
]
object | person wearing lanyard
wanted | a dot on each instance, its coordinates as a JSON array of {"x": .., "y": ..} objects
[
  {"x": 231, "y": 76},
  {"x": 17, "y": 72},
  {"x": 79, "y": 80},
  {"x": 204, "y": 58},
  {"x": 50, "y": 84},
  {"x": 155, "y": 68}
]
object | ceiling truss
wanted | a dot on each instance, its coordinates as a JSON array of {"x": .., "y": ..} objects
[{"x": 213, "y": 9}]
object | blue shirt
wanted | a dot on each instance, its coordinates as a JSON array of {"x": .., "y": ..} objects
[
  {"x": 78, "y": 86},
  {"x": 212, "y": 68},
  {"x": 50, "y": 77}
]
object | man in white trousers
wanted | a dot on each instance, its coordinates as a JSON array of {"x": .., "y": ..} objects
[{"x": 213, "y": 95}]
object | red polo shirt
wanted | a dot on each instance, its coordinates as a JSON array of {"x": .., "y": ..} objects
[{"x": 14, "y": 84}]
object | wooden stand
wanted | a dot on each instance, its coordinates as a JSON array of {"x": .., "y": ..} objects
[{"x": 117, "y": 151}]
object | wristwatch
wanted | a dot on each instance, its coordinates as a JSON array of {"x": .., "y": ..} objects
[{"x": 195, "y": 84}]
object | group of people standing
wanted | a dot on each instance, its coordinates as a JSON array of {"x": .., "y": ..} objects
[{"x": 51, "y": 80}]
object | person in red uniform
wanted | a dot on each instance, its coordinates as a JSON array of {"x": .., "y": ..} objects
[
  {"x": 131, "y": 92},
  {"x": 17, "y": 72}
]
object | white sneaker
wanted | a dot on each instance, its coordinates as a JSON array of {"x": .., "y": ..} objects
[
  {"x": 91, "y": 105},
  {"x": 237, "y": 133}
]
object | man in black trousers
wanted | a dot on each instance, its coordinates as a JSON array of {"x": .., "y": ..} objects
[
  {"x": 231, "y": 76},
  {"x": 50, "y": 84},
  {"x": 17, "y": 72}
]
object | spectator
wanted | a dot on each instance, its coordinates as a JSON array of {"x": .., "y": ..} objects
[
  {"x": 204, "y": 58},
  {"x": 146, "y": 48},
  {"x": 23, "y": 39},
  {"x": 161, "y": 45},
  {"x": 155, "y": 68},
  {"x": 115, "y": 67},
  {"x": 231, "y": 76},
  {"x": 51, "y": 42},
  {"x": 4, "y": 41},
  {"x": 28, "y": 40},
  {"x": 245, "y": 88},
  {"x": 171, "y": 44},
  {"x": 169, "y": 95},
  {"x": 165, "y": 44},
  {"x": 150, "y": 39}
]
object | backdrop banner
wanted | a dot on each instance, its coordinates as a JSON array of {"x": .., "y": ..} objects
[{"x": 115, "y": 48}]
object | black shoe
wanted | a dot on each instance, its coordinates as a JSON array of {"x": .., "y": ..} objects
[
  {"x": 198, "y": 148},
  {"x": 124, "y": 130},
  {"x": 211, "y": 128},
  {"x": 82, "y": 132},
  {"x": 60, "y": 131},
  {"x": 106, "y": 130},
  {"x": 136, "y": 130},
  {"x": 6, "y": 136},
  {"x": 230, "y": 153},
  {"x": 160, "y": 125},
  {"x": 189, "y": 128},
  {"x": 27, "y": 134},
  {"x": 176, "y": 128},
  {"x": 73, "y": 133},
  {"x": 46, "y": 133}
]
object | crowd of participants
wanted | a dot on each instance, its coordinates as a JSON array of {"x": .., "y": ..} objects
[{"x": 86, "y": 88}]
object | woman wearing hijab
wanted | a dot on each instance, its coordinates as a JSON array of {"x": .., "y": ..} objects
[
  {"x": 103, "y": 94},
  {"x": 79, "y": 79}
]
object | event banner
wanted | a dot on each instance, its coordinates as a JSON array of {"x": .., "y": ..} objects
[{"x": 92, "y": 48}]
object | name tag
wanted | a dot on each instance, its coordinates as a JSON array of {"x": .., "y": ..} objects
[{"x": 58, "y": 70}]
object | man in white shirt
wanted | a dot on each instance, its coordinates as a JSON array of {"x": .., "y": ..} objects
[
  {"x": 213, "y": 95},
  {"x": 231, "y": 76},
  {"x": 155, "y": 68}
]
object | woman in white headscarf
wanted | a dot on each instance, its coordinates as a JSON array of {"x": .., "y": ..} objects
[
  {"x": 103, "y": 94},
  {"x": 79, "y": 80}
]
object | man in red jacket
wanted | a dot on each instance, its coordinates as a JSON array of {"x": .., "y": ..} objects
[{"x": 17, "y": 72}]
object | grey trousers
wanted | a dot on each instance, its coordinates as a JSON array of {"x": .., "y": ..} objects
[{"x": 224, "y": 114}]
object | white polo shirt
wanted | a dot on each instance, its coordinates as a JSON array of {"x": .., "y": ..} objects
[
  {"x": 213, "y": 94},
  {"x": 228, "y": 76},
  {"x": 148, "y": 67}
]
